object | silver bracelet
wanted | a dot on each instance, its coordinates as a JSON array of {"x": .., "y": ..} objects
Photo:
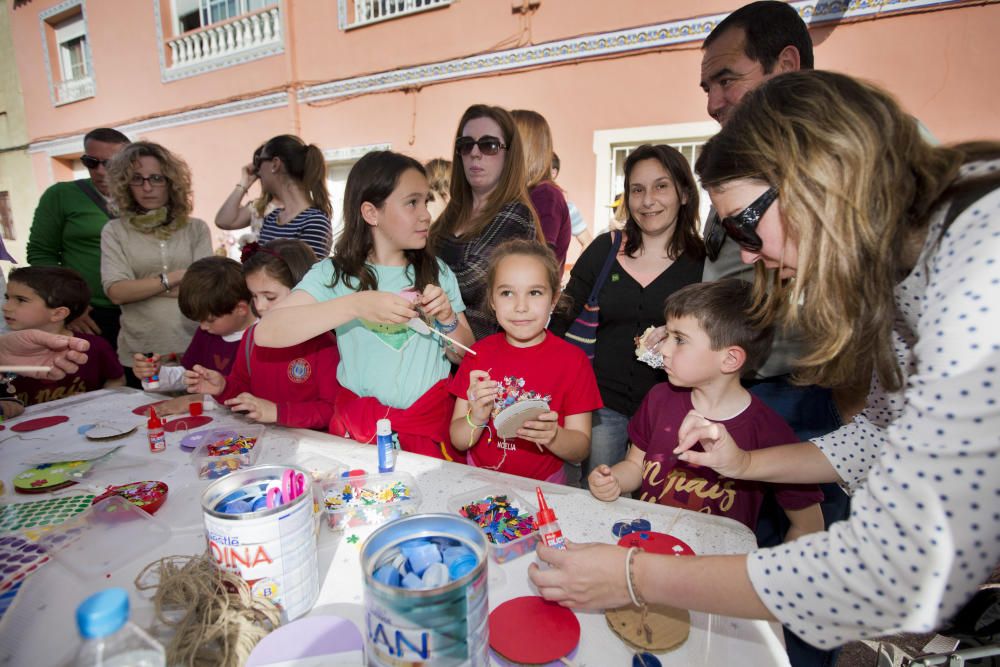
[{"x": 165, "y": 282}]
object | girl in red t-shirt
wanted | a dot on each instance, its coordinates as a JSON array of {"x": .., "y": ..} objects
[{"x": 524, "y": 361}]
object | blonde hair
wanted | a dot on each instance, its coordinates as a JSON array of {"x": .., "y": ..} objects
[
  {"x": 857, "y": 184},
  {"x": 439, "y": 175},
  {"x": 537, "y": 139},
  {"x": 122, "y": 168},
  {"x": 511, "y": 188}
]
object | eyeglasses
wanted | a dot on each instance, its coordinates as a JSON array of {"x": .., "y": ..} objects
[
  {"x": 154, "y": 180},
  {"x": 741, "y": 227},
  {"x": 91, "y": 162},
  {"x": 259, "y": 160},
  {"x": 487, "y": 145}
]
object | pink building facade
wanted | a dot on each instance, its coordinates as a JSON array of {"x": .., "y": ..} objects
[{"x": 212, "y": 79}]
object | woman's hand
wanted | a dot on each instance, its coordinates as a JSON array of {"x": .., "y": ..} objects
[
  {"x": 145, "y": 367},
  {"x": 436, "y": 304},
  {"x": 33, "y": 347},
  {"x": 255, "y": 408},
  {"x": 542, "y": 430},
  {"x": 482, "y": 393},
  {"x": 201, "y": 380},
  {"x": 383, "y": 307},
  {"x": 175, "y": 406},
  {"x": 584, "y": 576},
  {"x": 721, "y": 453},
  {"x": 248, "y": 176},
  {"x": 603, "y": 484}
]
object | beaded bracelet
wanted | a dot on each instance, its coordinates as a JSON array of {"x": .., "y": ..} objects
[{"x": 446, "y": 328}]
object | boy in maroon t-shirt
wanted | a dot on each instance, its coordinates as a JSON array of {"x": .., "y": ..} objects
[
  {"x": 46, "y": 298},
  {"x": 711, "y": 341},
  {"x": 213, "y": 293}
]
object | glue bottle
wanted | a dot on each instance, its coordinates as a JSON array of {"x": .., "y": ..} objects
[
  {"x": 153, "y": 382},
  {"x": 109, "y": 639},
  {"x": 386, "y": 446},
  {"x": 548, "y": 527},
  {"x": 154, "y": 429}
]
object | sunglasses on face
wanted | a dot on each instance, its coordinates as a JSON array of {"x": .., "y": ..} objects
[
  {"x": 91, "y": 162},
  {"x": 259, "y": 160},
  {"x": 741, "y": 227},
  {"x": 487, "y": 145},
  {"x": 154, "y": 180}
]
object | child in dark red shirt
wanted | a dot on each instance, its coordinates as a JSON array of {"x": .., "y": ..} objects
[
  {"x": 292, "y": 386},
  {"x": 711, "y": 342},
  {"x": 46, "y": 298}
]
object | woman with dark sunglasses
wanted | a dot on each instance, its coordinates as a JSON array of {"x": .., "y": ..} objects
[
  {"x": 884, "y": 250},
  {"x": 660, "y": 253},
  {"x": 489, "y": 204},
  {"x": 147, "y": 249},
  {"x": 292, "y": 174}
]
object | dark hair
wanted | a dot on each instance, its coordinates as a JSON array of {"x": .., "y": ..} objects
[
  {"x": 212, "y": 287},
  {"x": 57, "y": 286},
  {"x": 769, "y": 27},
  {"x": 685, "y": 239},
  {"x": 528, "y": 248},
  {"x": 373, "y": 179},
  {"x": 304, "y": 163},
  {"x": 285, "y": 260},
  {"x": 723, "y": 310},
  {"x": 106, "y": 135}
]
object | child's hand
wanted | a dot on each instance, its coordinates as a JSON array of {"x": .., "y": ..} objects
[
  {"x": 436, "y": 304},
  {"x": 721, "y": 453},
  {"x": 383, "y": 307},
  {"x": 11, "y": 409},
  {"x": 255, "y": 408},
  {"x": 482, "y": 393},
  {"x": 201, "y": 380},
  {"x": 175, "y": 406},
  {"x": 603, "y": 484},
  {"x": 541, "y": 431},
  {"x": 145, "y": 367}
]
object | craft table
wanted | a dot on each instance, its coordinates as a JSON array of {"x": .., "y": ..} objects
[{"x": 39, "y": 629}]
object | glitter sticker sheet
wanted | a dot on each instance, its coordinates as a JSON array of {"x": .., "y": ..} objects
[{"x": 41, "y": 512}]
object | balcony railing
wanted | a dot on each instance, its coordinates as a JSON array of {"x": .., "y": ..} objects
[
  {"x": 222, "y": 40},
  {"x": 72, "y": 90},
  {"x": 373, "y": 11}
]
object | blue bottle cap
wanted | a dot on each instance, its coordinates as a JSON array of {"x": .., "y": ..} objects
[
  {"x": 462, "y": 566},
  {"x": 412, "y": 582},
  {"x": 451, "y": 554},
  {"x": 387, "y": 574},
  {"x": 102, "y": 613},
  {"x": 435, "y": 576}
]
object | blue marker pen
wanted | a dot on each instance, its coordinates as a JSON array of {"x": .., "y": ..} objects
[{"x": 386, "y": 446}]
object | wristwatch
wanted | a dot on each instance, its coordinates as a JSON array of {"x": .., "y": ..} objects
[{"x": 164, "y": 282}]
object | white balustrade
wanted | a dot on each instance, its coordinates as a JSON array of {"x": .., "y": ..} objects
[
  {"x": 74, "y": 89},
  {"x": 373, "y": 11},
  {"x": 221, "y": 40}
]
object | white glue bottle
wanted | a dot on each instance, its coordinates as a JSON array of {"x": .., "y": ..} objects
[
  {"x": 109, "y": 640},
  {"x": 386, "y": 446}
]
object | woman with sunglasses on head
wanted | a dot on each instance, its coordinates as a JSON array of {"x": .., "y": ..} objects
[
  {"x": 659, "y": 252},
  {"x": 294, "y": 174},
  {"x": 489, "y": 204},
  {"x": 883, "y": 249},
  {"x": 146, "y": 250}
]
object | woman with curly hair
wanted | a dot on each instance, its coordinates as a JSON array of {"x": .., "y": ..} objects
[{"x": 146, "y": 250}]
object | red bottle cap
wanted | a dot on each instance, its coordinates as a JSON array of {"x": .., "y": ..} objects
[
  {"x": 545, "y": 514},
  {"x": 154, "y": 420}
]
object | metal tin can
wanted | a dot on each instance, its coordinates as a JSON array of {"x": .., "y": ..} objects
[
  {"x": 273, "y": 550},
  {"x": 446, "y": 626}
]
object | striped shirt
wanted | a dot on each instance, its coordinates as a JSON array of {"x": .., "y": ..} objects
[{"x": 311, "y": 226}]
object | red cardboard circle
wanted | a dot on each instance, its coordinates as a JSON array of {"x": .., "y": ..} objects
[
  {"x": 143, "y": 410},
  {"x": 656, "y": 543},
  {"x": 40, "y": 423},
  {"x": 186, "y": 423},
  {"x": 532, "y": 630}
]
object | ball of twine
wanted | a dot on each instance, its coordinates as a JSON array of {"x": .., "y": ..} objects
[{"x": 215, "y": 618}]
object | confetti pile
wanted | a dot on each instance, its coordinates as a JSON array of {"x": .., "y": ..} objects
[
  {"x": 500, "y": 520},
  {"x": 226, "y": 455},
  {"x": 367, "y": 501},
  {"x": 240, "y": 444}
]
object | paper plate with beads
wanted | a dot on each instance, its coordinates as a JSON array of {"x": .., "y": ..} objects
[
  {"x": 149, "y": 495},
  {"x": 46, "y": 477},
  {"x": 511, "y": 418}
]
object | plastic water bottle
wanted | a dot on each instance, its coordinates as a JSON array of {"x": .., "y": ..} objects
[
  {"x": 386, "y": 446},
  {"x": 109, "y": 640}
]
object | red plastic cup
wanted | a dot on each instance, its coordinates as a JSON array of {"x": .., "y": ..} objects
[{"x": 195, "y": 408}]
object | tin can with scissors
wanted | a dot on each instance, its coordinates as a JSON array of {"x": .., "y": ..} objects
[
  {"x": 444, "y": 626},
  {"x": 259, "y": 523}
]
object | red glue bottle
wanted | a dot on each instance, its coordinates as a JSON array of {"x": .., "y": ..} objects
[
  {"x": 548, "y": 527},
  {"x": 154, "y": 429}
]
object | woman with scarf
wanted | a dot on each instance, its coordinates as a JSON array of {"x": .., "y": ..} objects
[{"x": 146, "y": 250}]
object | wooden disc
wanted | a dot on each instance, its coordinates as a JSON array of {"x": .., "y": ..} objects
[{"x": 669, "y": 627}]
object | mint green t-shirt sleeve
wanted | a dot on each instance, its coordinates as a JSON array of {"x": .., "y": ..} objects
[
  {"x": 316, "y": 283},
  {"x": 449, "y": 283}
]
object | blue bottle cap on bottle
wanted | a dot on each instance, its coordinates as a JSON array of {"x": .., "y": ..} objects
[{"x": 102, "y": 613}]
